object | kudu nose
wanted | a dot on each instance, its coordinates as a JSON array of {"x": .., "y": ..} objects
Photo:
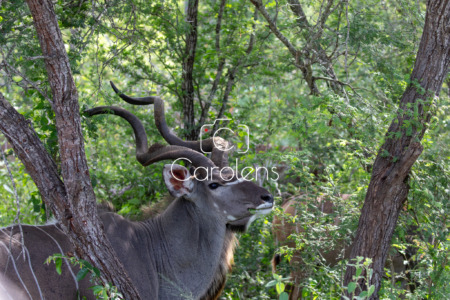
[{"x": 267, "y": 198}]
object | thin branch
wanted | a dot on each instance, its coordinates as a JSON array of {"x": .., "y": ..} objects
[
  {"x": 89, "y": 33},
  {"x": 334, "y": 8},
  {"x": 44, "y": 94},
  {"x": 35, "y": 57},
  {"x": 252, "y": 35},
  {"x": 231, "y": 77},
  {"x": 356, "y": 55},
  {"x": 219, "y": 24},
  {"x": 323, "y": 15},
  {"x": 259, "y": 6},
  {"x": 340, "y": 82},
  {"x": 297, "y": 9},
  {"x": 323, "y": 18},
  {"x": 207, "y": 105}
]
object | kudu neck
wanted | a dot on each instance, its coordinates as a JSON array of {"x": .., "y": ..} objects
[{"x": 192, "y": 235}]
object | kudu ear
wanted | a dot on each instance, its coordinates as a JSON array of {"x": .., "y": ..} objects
[{"x": 178, "y": 180}]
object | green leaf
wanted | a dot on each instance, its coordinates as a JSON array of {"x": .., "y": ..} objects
[
  {"x": 82, "y": 273},
  {"x": 8, "y": 189},
  {"x": 58, "y": 263},
  {"x": 271, "y": 283},
  {"x": 85, "y": 263},
  {"x": 371, "y": 290},
  {"x": 134, "y": 201},
  {"x": 97, "y": 289},
  {"x": 280, "y": 287},
  {"x": 96, "y": 272},
  {"x": 409, "y": 131},
  {"x": 351, "y": 287},
  {"x": 284, "y": 296},
  {"x": 358, "y": 272},
  {"x": 305, "y": 292},
  {"x": 363, "y": 294}
]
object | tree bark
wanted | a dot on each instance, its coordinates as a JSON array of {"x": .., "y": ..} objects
[
  {"x": 187, "y": 86},
  {"x": 71, "y": 200},
  {"x": 388, "y": 188}
]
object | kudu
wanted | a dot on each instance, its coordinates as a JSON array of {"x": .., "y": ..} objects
[
  {"x": 282, "y": 229},
  {"x": 184, "y": 253}
]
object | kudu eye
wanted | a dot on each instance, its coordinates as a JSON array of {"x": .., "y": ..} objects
[{"x": 214, "y": 186}]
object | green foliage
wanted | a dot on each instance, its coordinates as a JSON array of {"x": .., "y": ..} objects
[
  {"x": 279, "y": 285},
  {"x": 107, "y": 291},
  {"x": 363, "y": 273}
]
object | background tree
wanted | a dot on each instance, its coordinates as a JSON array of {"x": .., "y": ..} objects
[{"x": 388, "y": 188}]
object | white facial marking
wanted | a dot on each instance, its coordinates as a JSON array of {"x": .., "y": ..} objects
[
  {"x": 265, "y": 205},
  {"x": 264, "y": 211},
  {"x": 231, "y": 218},
  {"x": 252, "y": 218},
  {"x": 225, "y": 212},
  {"x": 215, "y": 205}
]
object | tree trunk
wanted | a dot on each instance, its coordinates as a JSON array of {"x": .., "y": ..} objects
[
  {"x": 71, "y": 200},
  {"x": 388, "y": 188},
  {"x": 187, "y": 86}
]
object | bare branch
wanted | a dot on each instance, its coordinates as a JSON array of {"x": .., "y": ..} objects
[
  {"x": 35, "y": 57},
  {"x": 43, "y": 93},
  {"x": 219, "y": 24},
  {"x": 252, "y": 35},
  {"x": 230, "y": 82},
  {"x": 340, "y": 82},
  {"x": 297, "y": 9}
]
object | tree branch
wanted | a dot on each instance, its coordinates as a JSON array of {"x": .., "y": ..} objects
[
  {"x": 340, "y": 82},
  {"x": 33, "y": 155},
  {"x": 305, "y": 66},
  {"x": 76, "y": 212},
  {"x": 259, "y": 6}
]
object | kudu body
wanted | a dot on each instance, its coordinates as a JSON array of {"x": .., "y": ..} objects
[
  {"x": 184, "y": 253},
  {"x": 282, "y": 229}
]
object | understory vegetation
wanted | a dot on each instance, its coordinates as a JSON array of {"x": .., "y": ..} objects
[{"x": 321, "y": 143}]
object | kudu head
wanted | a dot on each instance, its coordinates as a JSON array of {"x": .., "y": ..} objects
[{"x": 209, "y": 183}]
